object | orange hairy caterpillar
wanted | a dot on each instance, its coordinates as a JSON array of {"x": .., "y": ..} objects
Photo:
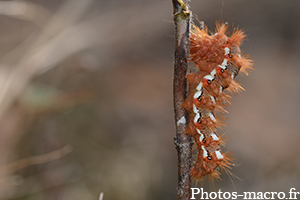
[{"x": 219, "y": 60}]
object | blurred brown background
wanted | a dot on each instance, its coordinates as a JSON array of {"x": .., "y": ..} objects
[{"x": 91, "y": 82}]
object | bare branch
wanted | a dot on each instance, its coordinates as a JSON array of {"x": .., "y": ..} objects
[{"x": 182, "y": 141}]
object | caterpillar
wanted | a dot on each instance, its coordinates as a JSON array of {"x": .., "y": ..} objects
[{"x": 219, "y": 60}]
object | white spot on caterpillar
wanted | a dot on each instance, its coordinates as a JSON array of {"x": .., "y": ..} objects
[
  {"x": 198, "y": 131},
  {"x": 213, "y": 99},
  {"x": 213, "y": 72},
  {"x": 196, "y": 118},
  {"x": 209, "y": 77},
  {"x": 197, "y": 94},
  {"x": 205, "y": 154},
  {"x": 219, "y": 155},
  {"x": 224, "y": 63},
  {"x": 232, "y": 75},
  {"x": 201, "y": 137},
  {"x": 221, "y": 89},
  {"x": 214, "y": 136},
  {"x": 212, "y": 117},
  {"x": 181, "y": 121},
  {"x": 227, "y": 50},
  {"x": 199, "y": 87},
  {"x": 195, "y": 109}
]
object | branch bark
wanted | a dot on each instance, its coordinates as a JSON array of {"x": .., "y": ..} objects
[{"x": 183, "y": 141}]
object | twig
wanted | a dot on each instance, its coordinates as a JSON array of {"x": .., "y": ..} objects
[
  {"x": 101, "y": 196},
  {"x": 20, "y": 164},
  {"x": 182, "y": 141}
]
